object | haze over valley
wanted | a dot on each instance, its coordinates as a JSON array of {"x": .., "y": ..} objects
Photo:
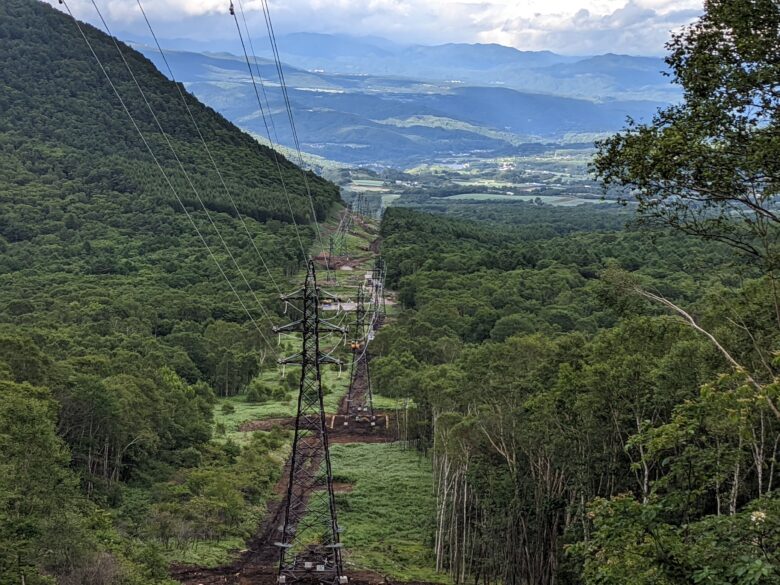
[{"x": 369, "y": 102}]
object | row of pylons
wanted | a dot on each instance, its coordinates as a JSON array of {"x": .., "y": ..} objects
[
  {"x": 310, "y": 510},
  {"x": 358, "y": 207}
]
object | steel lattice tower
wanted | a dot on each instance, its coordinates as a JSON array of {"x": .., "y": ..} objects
[
  {"x": 309, "y": 548},
  {"x": 360, "y": 399},
  {"x": 378, "y": 282}
]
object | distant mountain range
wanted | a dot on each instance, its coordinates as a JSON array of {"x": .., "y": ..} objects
[
  {"x": 387, "y": 118},
  {"x": 617, "y": 76},
  {"x": 589, "y": 77}
]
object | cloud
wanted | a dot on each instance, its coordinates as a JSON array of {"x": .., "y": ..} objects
[
  {"x": 638, "y": 27},
  {"x": 568, "y": 26}
]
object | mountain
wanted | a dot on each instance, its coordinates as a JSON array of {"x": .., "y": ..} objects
[
  {"x": 396, "y": 121},
  {"x": 618, "y": 73},
  {"x": 116, "y": 327},
  {"x": 589, "y": 77},
  {"x": 481, "y": 57},
  {"x": 333, "y": 46}
]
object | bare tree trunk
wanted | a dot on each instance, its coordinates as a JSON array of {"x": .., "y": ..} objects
[
  {"x": 723, "y": 351},
  {"x": 735, "y": 486}
]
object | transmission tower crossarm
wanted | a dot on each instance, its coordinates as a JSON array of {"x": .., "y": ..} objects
[
  {"x": 297, "y": 359},
  {"x": 289, "y": 327}
]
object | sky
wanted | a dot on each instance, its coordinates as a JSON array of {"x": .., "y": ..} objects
[{"x": 573, "y": 27}]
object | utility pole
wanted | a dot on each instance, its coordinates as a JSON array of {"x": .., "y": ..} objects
[{"x": 309, "y": 547}]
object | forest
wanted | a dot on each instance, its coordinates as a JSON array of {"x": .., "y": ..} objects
[
  {"x": 117, "y": 331},
  {"x": 595, "y": 388},
  {"x": 601, "y": 403}
]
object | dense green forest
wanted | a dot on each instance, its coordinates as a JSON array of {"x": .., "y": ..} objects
[
  {"x": 545, "y": 385},
  {"x": 601, "y": 405},
  {"x": 117, "y": 330},
  {"x": 596, "y": 387}
]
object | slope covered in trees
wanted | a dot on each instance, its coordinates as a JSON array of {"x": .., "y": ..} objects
[
  {"x": 545, "y": 387},
  {"x": 601, "y": 405},
  {"x": 116, "y": 327}
]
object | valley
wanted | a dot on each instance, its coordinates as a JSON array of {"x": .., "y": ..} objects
[
  {"x": 388, "y": 121},
  {"x": 366, "y": 311}
]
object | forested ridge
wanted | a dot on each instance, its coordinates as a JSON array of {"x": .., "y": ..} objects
[
  {"x": 601, "y": 403},
  {"x": 117, "y": 330},
  {"x": 543, "y": 385}
]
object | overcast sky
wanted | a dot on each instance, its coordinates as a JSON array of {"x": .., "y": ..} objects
[{"x": 638, "y": 27}]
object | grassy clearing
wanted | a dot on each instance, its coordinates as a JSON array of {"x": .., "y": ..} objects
[
  {"x": 243, "y": 411},
  {"x": 354, "y": 245},
  {"x": 387, "y": 200},
  {"x": 399, "y": 553},
  {"x": 367, "y": 183},
  {"x": 387, "y": 518},
  {"x": 385, "y": 403}
]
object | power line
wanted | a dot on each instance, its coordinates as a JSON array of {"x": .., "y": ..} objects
[
  {"x": 207, "y": 149},
  {"x": 291, "y": 118},
  {"x": 181, "y": 165},
  {"x": 164, "y": 174},
  {"x": 275, "y": 157},
  {"x": 259, "y": 76}
]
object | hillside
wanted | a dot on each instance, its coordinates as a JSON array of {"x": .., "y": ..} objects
[
  {"x": 362, "y": 119},
  {"x": 116, "y": 328},
  {"x": 576, "y": 429}
]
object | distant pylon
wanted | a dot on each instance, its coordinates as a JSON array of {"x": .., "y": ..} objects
[
  {"x": 309, "y": 547},
  {"x": 360, "y": 399},
  {"x": 378, "y": 274}
]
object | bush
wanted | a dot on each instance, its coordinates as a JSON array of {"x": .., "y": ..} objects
[
  {"x": 228, "y": 408},
  {"x": 257, "y": 392}
]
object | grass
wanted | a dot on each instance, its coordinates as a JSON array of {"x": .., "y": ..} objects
[
  {"x": 355, "y": 245},
  {"x": 367, "y": 183},
  {"x": 385, "y": 403},
  {"x": 206, "y": 553},
  {"x": 244, "y": 411},
  {"x": 387, "y": 518},
  {"x": 387, "y": 200}
]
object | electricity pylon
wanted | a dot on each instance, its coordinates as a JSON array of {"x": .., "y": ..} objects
[
  {"x": 359, "y": 397},
  {"x": 309, "y": 547},
  {"x": 378, "y": 274}
]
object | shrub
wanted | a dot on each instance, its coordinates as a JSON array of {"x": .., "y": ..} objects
[{"x": 259, "y": 392}]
